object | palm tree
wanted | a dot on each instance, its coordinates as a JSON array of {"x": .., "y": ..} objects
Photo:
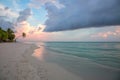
[
  {"x": 9, "y": 30},
  {"x": 3, "y": 36},
  {"x": 11, "y": 34},
  {"x": 23, "y": 35},
  {"x": 0, "y": 34}
]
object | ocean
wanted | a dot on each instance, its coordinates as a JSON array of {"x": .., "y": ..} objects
[{"x": 89, "y": 60}]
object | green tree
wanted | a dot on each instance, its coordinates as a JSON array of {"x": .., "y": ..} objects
[
  {"x": 6, "y": 35},
  {"x": 0, "y": 34},
  {"x": 9, "y": 30},
  {"x": 3, "y": 35},
  {"x": 11, "y": 34}
]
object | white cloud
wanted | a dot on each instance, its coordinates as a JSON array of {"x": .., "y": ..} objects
[
  {"x": 7, "y": 12},
  {"x": 38, "y": 3}
]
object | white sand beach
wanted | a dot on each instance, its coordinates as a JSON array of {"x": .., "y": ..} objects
[{"x": 17, "y": 63}]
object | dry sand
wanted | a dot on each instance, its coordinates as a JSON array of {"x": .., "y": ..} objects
[{"x": 17, "y": 63}]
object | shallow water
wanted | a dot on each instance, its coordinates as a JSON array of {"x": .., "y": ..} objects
[
  {"x": 102, "y": 53},
  {"x": 91, "y": 61}
]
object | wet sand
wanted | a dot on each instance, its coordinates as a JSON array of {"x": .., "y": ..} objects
[{"x": 17, "y": 63}]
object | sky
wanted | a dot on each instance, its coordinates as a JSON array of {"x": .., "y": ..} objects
[{"x": 62, "y": 20}]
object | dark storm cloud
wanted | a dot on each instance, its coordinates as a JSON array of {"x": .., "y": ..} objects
[{"x": 82, "y": 14}]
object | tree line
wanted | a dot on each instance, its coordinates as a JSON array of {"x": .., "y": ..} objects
[{"x": 8, "y": 35}]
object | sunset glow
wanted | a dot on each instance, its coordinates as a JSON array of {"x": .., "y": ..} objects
[
  {"x": 38, "y": 53},
  {"x": 33, "y": 33},
  {"x": 107, "y": 34},
  {"x": 59, "y": 39},
  {"x": 53, "y": 20}
]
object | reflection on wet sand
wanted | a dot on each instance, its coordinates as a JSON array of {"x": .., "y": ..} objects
[{"x": 38, "y": 53}]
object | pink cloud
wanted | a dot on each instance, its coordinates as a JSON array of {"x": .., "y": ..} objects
[
  {"x": 32, "y": 32},
  {"x": 107, "y": 34}
]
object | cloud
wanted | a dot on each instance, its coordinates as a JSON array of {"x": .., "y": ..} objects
[
  {"x": 32, "y": 32},
  {"x": 38, "y": 3},
  {"x": 7, "y": 12},
  {"x": 109, "y": 33},
  {"x": 7, "y": 16},
  {"x": 5, "y": 24},
  {"x": 24, "y": 15},
  {"x": 78, "y": 14}
]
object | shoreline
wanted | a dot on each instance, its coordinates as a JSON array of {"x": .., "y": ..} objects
[
  {"x": 81, "y": 67},
  {"x": 17, "y": 63}
]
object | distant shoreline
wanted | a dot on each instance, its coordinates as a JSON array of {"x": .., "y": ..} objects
[{"x": 79, "y": 41}]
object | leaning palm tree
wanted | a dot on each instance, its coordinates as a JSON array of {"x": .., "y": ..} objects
[
  {"x": 23, "y": 35},
  {"x": 11, "y": 34}
]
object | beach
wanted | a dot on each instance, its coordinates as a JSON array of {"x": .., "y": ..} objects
[
  {"x": 59, "y": 61},
  {"x": 18, "y": 62}
]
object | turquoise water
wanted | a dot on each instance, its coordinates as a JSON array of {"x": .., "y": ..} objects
[
  {"x": 88, "y": 60},
  {"x": 102, "y": 53}
]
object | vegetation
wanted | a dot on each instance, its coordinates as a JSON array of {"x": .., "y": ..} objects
[
  {"x": 11, "y": 34},
  {"x": 8, "y": 35},
  {"x": 3, "y": 35}
]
